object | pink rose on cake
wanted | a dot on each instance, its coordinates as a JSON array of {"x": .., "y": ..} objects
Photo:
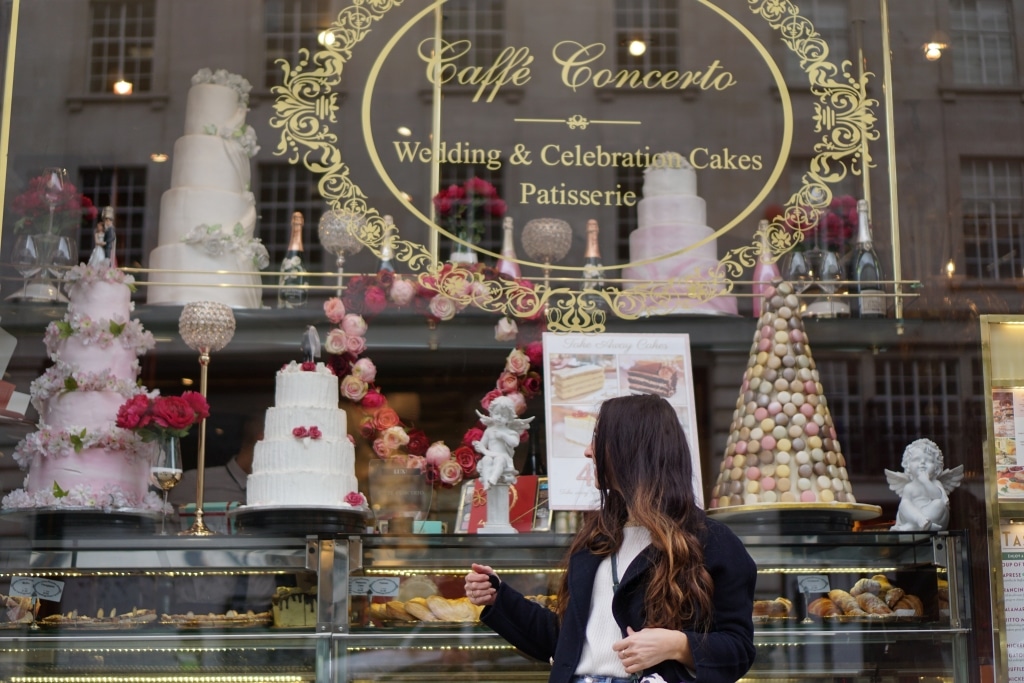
[{"x": 355, "y": 499}]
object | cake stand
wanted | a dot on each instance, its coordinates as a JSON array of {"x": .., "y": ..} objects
[
  {"x": 275, "y": 520},
  {"x": 796, "y": 517},
  {"x": 78, "y": 522}
]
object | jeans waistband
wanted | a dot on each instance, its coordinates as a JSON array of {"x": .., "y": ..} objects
[{"x": 600, "y": 679}]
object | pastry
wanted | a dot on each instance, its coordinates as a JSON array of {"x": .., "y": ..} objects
[
  {"x": 893, "y": 596},
  {"x": 847, "y": 603},
  {"x": 823, "y": 607},
  {"x": 872, "y": 604},
  {"x": 396, "y": 610},
  {"x": 883, "y": 581},
  {"x": 417, "y": 607},
  {"x": 866, "y": 586},
  {"x": 911, "y": 603}
]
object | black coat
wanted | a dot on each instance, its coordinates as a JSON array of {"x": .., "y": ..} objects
[{"x": 722, "y": 655}]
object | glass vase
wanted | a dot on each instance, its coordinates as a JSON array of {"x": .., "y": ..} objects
[
  {"x": 463, "y": 253},
  {"x": 166, "y": 471}
]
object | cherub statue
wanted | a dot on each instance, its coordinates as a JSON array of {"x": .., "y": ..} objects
[
  {"x": 501, "y": 436},
  {"x": 923, "y": 487}
]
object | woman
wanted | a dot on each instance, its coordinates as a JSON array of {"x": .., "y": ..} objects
[{"x": 683, "y": 584}]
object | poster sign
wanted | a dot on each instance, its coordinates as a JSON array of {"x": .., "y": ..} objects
[
  {"x": 581, "y": 371},
  {"x": 1008, "y": 427},
  {"x": 1012, "y": 546}
]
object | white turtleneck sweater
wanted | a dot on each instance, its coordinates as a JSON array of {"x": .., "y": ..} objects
[{"x": 598, "y": 658}]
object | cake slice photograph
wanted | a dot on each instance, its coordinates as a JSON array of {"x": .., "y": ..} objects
[{"x": 658, "y": 375}]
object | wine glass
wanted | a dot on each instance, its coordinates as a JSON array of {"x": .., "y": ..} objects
[
  {"x": 25, "y": 259},
  {"x": 65, "y": 255},
  {"x": 829, "y": 277},
  {"x": 798, "y": 271},
  {"x": 56, "y": 179},
  {"x": 166, "y": 472}
]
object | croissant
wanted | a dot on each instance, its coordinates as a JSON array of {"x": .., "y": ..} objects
[
  {"x": 823, "y": 607},
  {"x": 866, "y": 586},
  {"x": 883, "y": 581},
  {"x": 780, "y": 607},
  {"x": 417, "y": 607},
  {"x": 761, "y": 608},
  {"x": 872, "y": 604},
  {"x": 911, "y": 603},
  {"x": 378, "y": 610},
  {"x": 846, "y": 602},
  {"x": 396, "y": 610},
  {"x": 892, "y": 596}
]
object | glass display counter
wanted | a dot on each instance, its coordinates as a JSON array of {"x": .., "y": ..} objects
[{"x": 251, "y": 608}]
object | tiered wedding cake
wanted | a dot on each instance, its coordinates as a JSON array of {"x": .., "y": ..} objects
[
  {"x": 306, "y": 457},
  {"x": 78, "y": 458},
  {"x": 670, "y": 217},
  {"x": 208, "y": 217}
]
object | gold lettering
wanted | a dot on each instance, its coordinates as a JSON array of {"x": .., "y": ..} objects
[
  {"x": 575, "y": 59},
  {"x": 512, "y": 65},
  {"x": 560, "y": 195}
]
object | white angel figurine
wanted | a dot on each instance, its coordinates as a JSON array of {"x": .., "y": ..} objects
[
  {"x": 923, "y": 487},
  {"x": 501, "y": 436}
]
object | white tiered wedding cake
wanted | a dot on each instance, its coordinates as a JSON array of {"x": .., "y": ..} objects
[
  {"x": 670, "y": 217},
  {"x": 208, "y": 217}
]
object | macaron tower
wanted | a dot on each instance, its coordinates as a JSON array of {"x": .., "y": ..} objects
[{"x": 782, "y": 448}]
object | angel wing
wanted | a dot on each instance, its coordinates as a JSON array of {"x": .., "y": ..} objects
[
  {"x": 487, "y": 420},
  {"x": 897, "y": 481},
  {"x": 950, "y": 479},
  {"x": 521, "y": 424}
]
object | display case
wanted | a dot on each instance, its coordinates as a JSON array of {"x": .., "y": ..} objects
[{"x": 339, "y": 580}]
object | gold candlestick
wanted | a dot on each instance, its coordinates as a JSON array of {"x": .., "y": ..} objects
[{"x": 205, "y": 326}]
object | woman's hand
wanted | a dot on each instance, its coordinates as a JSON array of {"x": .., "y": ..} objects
[
  {"x": 478, "y": 585},
  {"x": 649, "y": 647}
]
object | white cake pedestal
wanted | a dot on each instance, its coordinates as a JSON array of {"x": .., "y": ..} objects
[{"x": 497, "y": 509}]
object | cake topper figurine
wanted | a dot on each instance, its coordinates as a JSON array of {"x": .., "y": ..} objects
[
  {"x": 310, "y": 344},
  {"x": 500, "y": 438},
  {"x": 923, "y": 487},
  {"x": 105, "y": 239}
]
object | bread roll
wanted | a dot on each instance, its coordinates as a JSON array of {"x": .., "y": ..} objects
[
  {"x": 892, "y": 596},
  {"x": 883, "y": 581},
  {"x": 866, "y": 586},
  {"x": 872, "y": 604},
  {"x": 761, "y": 608},
  {"x": 396, "y": 610},
  {"x": 378, "y": 610},
  {"x": 847, "y": 603},
  {"x": 911, "y": 603},
  {"x": 417, "y": 607},
  {"x": 823, "y": 607},
  {"x": 780, "y": 607}
]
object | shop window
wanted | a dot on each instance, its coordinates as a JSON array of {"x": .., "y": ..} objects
[
  {"x": 282, "y": 190},
  {"x": 456, "y": 174},
  {"x": 124, "y": 189},
  {"x": 841, "y": 379},
  {"x": 626, "y": 180},
  {"x": 652, "y": 24},
  {"x": 992, "y": 194},
  {"x": 481, "y": 23},
  {"x": 121, "y": 44},
  {"x": 914, "y": 399},
  {"x": 982, "y": 44},
  {"x": 831, "y": 21},
  {"x": 288, "y": 26}
]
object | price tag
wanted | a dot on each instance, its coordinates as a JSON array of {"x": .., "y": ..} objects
[
  {"x": 813, "y": 583},
  {"x": 34, "y": 587},
  {"x": 386, "y": 586}
]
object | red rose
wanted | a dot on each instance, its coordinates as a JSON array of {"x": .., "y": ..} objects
[
  {"x": 374, "y": 301},
  {"x": 386, "y": 278},
  {"x": 466, "y": 457},
  {"x": 496, "y": 207},
  {"x": 300, "y": 432},
  {"x": 373, "y": 400},
  {"x": 418, "y": 442},
  {"x": 367, "y": 430},
  {"x": 308, "y": 366},
  {"x": 134, "y": 414},
  {"x": 430, "y": 473},
  {"x": 531, "y": 385},
  {"x": 535, "y": 352},
  {"x": 173, "y": 412},
  {"x": 385, "y": 419},
  {"x": 455, "y": 192},
  {"x": 198, "y": 403},
  {"x": 472, "y": 434}
]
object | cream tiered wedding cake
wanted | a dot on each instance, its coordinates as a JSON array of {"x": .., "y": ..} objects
[
  {"x": 208, "y": 216},
  {"x": 78, "y": 457},
  {"x": 671, "y": 217},
  {"x": 306, "y": 457}
]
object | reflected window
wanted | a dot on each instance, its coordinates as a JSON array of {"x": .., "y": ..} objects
[
  {"x": 457, "y": 174},
  {"x": 284, "y": 189},
  {"x": 647, "y": 34},
  {"x": 121, "y": 37},
  {"x": 627, "y": 180},
  {"x": 982, "y": 42},
  {"x": 841, "y": 379},
  {"x": 832, "y": 22},
  {"x": 992, "y": 195},
  {"x": 123, "y": 188},
  {"x": 479, "y": 22},
  {"x": 288, "y": 26}
]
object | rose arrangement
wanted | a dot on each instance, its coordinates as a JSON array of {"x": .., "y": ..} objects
[
  {"x": 33, "y": 205},
  {"x": 835, "y": 229},
  {"x": 392, "y": 439},
  {"x": 156, "y": 417},
  {"x": 463, "y": 209}
]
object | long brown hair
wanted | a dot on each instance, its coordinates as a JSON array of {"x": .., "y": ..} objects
[{"x": 645, "y": 475}]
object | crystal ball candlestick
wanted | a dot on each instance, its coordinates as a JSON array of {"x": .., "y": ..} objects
[
  {"x": 205, "y": 326},
  {"x": 547, "y": 240},
  {"x": 338, "y": 232}
]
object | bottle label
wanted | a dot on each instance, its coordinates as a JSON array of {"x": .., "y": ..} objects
[{"x": 872, "y": 303}]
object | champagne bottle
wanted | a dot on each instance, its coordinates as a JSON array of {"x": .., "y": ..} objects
[
  {"x": 291, "y": 293},
  {"x": 535, "y": 462},
  {"x": 866, "y": 269},
  {"x": 592, "y": 276},
  {"x": 385, "y": 247},
  {"x": 506, "y": 264},
  {"x": 764, "y": 270}
]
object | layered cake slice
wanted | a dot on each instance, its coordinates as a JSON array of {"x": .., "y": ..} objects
[
  {"x": 579, "y": 427},
  {"x": 652, "y": 377},
  {"x": 577, "y": 381}
]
